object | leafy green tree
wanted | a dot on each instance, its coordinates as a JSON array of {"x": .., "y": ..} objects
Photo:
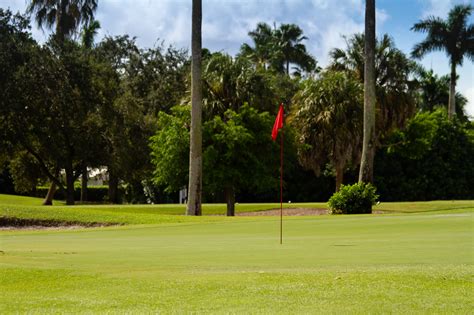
[
  {"x": 238, "y": 153},
  {"x": 328, "y": 120},
  {"x": 170, "y": 149},
  {"x": 454, "y": 35},
  {"x": 431, "y": 158},
  {"x": 237, "y": 149},
  {"x": 55, "y": 122},
  {"x": 139, "y": 84},
  {"x": 64, "y": 15}
]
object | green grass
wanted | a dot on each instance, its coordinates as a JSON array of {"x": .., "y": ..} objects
[
  {"x": 417, "y": 262},
  {"x": 360, "y": 264},
  {"x": 30, "y": 208}
]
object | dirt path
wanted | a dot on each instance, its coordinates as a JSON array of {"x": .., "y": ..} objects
[{"x": 286, "y": 212}]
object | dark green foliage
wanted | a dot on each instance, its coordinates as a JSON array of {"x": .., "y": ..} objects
[
  {"x": 433, "y": 158},
  {"x": 353, "y": 199},
  {"x": 94, "y": 193}
]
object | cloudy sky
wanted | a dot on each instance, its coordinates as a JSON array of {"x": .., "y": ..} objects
[{"x": 227, "y": 22}]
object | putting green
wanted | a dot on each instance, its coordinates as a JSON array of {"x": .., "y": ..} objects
[{"x": 416, "y": 263}]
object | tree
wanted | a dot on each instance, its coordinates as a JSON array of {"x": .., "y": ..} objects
[
  {"x": 89, "y": 32},
  {"x": 55, "y": 121},
  {"x": 289, "y": 41},
  {"x": 195, "y": 150},
  {"x": 229, "y": 82},
  {"x": 170, "y": 149},
  {"x": 262, "y": 54},
  {"x": 277, "y": 48},
  {"x": 434, "y": 93},
  {"x": 454, "y": 36},
  {"x": 65, "y": 15},
  {"x": 328, "y": 119},
  {"x": 139, "y": 84},
  {"x": 429, "y": 159},
  {"x": 368, "y": 144},
  {"x": 239, "y": 154},
  {"x": 395, "y": 86},
  {"x": 237, "y": 150}
]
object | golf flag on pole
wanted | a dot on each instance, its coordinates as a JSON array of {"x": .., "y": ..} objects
[
  {"x": 277, "y": 126},
  {"x": 278, "y": 123}
]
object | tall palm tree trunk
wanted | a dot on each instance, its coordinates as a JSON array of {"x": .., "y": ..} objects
[
  {"x": 195, "y": 151},
  {"x": 368, "y": 145},
  {"x": 452, "y": 92}
]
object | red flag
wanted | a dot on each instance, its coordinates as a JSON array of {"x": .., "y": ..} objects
[{"x": 278, "y": 123}]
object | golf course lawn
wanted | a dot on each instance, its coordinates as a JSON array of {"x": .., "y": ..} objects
[{"x": 417, "y": 262}]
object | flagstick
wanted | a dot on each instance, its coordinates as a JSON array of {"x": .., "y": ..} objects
[{"x": 281, "y": 187}]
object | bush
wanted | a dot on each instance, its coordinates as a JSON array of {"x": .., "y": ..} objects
[{"x": 353, "y": 199}]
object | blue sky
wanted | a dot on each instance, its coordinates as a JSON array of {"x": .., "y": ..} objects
[{"x": 227, "y": 22}]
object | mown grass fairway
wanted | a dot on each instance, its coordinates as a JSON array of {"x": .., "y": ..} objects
[{"x": 400, "y": 263}]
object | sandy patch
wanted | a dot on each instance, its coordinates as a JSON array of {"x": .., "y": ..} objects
[{"x": 286, "y": 212}]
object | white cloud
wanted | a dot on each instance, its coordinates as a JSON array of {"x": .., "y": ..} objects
[
  {"x": 439, "y": 8},
  {"x": 469, "y": 94}
]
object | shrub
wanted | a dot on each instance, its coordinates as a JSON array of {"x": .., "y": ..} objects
[{"x": 353, "y": 199}]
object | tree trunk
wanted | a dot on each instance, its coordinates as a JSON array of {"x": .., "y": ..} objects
[
  {"x": 195, "y": 150},
  {"x": 288, "y": 67},
  {"x": 339, "y": 177},
  {"x": 230, "y": 200},
  {"x": 368, "y": 144},
  {"x": 113, "y": 188},
  {"x": 48, "y": 200},
  {"x": 84, "y": 179},
  {"x": 452, "y": 92},
  {"x": 70, "y": 185}
]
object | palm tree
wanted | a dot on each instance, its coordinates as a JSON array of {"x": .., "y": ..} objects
[
  {"x": 368, "y": 144},
  {"x": 453, "y": 36},
  {"x": 328, "y": 116},
  {"x": 289, "y": 41},
  {"x": 395, "y": 88},
  {"x": 195, "y": 150},
  {"x": 229, "y": 83},
  {"x": 434, "y": 92},
  {"x": 262, "y": 54},
  {"x": 89, "y": 32},
  {"x": 65, "y": 15},
  {"x": 278, "y": 48}
]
